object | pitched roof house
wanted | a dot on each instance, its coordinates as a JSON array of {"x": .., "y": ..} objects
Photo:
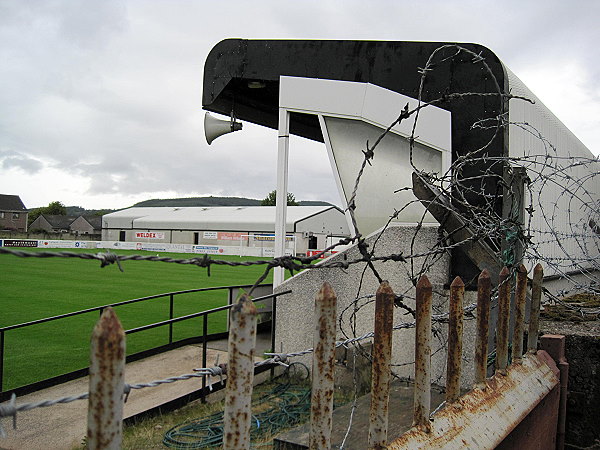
[
  {"x": 52, "y": 223},
  {"x": 87, "y": 225},
  {"x": 13, "y": 214},
  {"x": 64, "y": 224}
]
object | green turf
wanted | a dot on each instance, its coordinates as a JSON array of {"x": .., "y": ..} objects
[{"x": 34, "y": 288}]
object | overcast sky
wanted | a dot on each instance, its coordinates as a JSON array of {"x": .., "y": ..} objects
[{"x": 101, "y": 101}]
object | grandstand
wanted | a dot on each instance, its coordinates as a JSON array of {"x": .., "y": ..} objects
[{"x": 243, "y": 230}]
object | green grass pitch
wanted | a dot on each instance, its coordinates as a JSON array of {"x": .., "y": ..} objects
[{"x": 34, "y": 288}]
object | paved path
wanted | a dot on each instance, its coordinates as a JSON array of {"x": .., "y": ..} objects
[{"x": 64, "y": 426}]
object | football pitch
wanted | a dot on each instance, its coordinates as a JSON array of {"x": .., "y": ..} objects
[{"x": 35, "y": 288}]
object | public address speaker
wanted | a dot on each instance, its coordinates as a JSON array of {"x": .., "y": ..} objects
[{"x": 213, "y": 127}]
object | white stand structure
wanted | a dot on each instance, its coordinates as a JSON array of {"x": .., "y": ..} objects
[{"x": 350, "y": 115}]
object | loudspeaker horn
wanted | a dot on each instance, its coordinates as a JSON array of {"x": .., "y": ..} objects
[{"x": 213, "y": 127}]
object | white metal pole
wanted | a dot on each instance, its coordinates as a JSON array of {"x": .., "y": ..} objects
[{"x": 283, "y": 147}]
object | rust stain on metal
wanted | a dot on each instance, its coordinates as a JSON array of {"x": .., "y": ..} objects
[
  {"x": 507, "y": 398},
  {"x": 483, "y": 320},
  {"x": 519, "y": 332},
  {"x": 455, "y": 341},
  {"x": 534, "y": 313},
  {"x": 240, "y": 375},
  {"x": 321, "y": 408},
  {"x": 422, "y": 402},
  {"x": 106, "y": 381},
  {"x": 503, "y": 320},
  {"x": 380, "y": 371}
]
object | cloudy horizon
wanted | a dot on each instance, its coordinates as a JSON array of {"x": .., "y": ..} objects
[{"x": 101, "y": 102}]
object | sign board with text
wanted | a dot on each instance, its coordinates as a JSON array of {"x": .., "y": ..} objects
[
  {"x": 19, "y": 243},
  {"x": 149, "y": 235}
]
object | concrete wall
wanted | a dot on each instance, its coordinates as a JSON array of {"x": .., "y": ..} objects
[{"x": 295, "y": 311}]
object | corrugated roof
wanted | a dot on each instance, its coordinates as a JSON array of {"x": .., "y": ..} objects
[{"x": 242, "y": 218}]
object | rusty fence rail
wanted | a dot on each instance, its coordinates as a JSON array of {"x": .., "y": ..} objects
[
  {"x": 108, "y": 390},
  {"x": 509, "y": 396}
]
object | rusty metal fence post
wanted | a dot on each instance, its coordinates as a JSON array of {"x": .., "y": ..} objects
[
  {"x": 321, "y": 405},
  {"x": 240, "y": 375},
  {"x": 422, "y": 402},
  {"x": 519, "y": 332},
  {"x": 483, "y": 319},
  {"x": 534, "y": 314},
  {"x": 503, "y": 321},
  {"x": 107, "y": 372},
  {"x": 381, "y": 370},
  {"x": 455, "y": 340}
]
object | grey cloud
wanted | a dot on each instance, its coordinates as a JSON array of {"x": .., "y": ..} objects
[
  {"x": 88, "y": 27},
  {"x": 111, "y": 90},
  {"x": 10, "y": 160}
]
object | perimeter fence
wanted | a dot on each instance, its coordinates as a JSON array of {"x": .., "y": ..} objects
[{"x": 531, "y": 372}]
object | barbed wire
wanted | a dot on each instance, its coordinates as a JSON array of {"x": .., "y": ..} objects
[
  {"x": 483, "y": 216},
  {"x": 515, "y": 221},
  {"x": 10, "y": 408}
]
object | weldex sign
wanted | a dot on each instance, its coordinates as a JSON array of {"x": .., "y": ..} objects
[{"x": 149, "y": 235}]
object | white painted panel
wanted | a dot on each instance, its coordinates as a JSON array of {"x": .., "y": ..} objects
[
  {"x": 382, "y": 107},
  {"x": 370, "y": 103},
  {"x": 565, "y": 202},
  {"x": 390, "y": 170},
  {"x": 331, "y": 222},
  {"x": 319, "y": 95},
  {"x": 350, "y": 114}
]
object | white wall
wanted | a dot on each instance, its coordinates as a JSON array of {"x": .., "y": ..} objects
[
  {"x": 330, "y": 222},
  {"x": 563, "y": 204}
]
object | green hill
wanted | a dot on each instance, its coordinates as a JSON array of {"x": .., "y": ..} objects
[
  {"x": 215, "y": 201},
  {"x": 181, "y": 202},
  {"x": 200, "y": 201}
]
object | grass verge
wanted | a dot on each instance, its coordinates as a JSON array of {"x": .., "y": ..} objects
[{"x": 35, "y": 288}]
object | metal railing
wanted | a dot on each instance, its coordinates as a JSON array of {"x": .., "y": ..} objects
[{"x": 205, "y": 337}]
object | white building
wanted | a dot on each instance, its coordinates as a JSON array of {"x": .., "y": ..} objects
[{"x": 244, "y": 230}]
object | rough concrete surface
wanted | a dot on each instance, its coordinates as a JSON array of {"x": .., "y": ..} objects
[{"x": 295, "y": 311}]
